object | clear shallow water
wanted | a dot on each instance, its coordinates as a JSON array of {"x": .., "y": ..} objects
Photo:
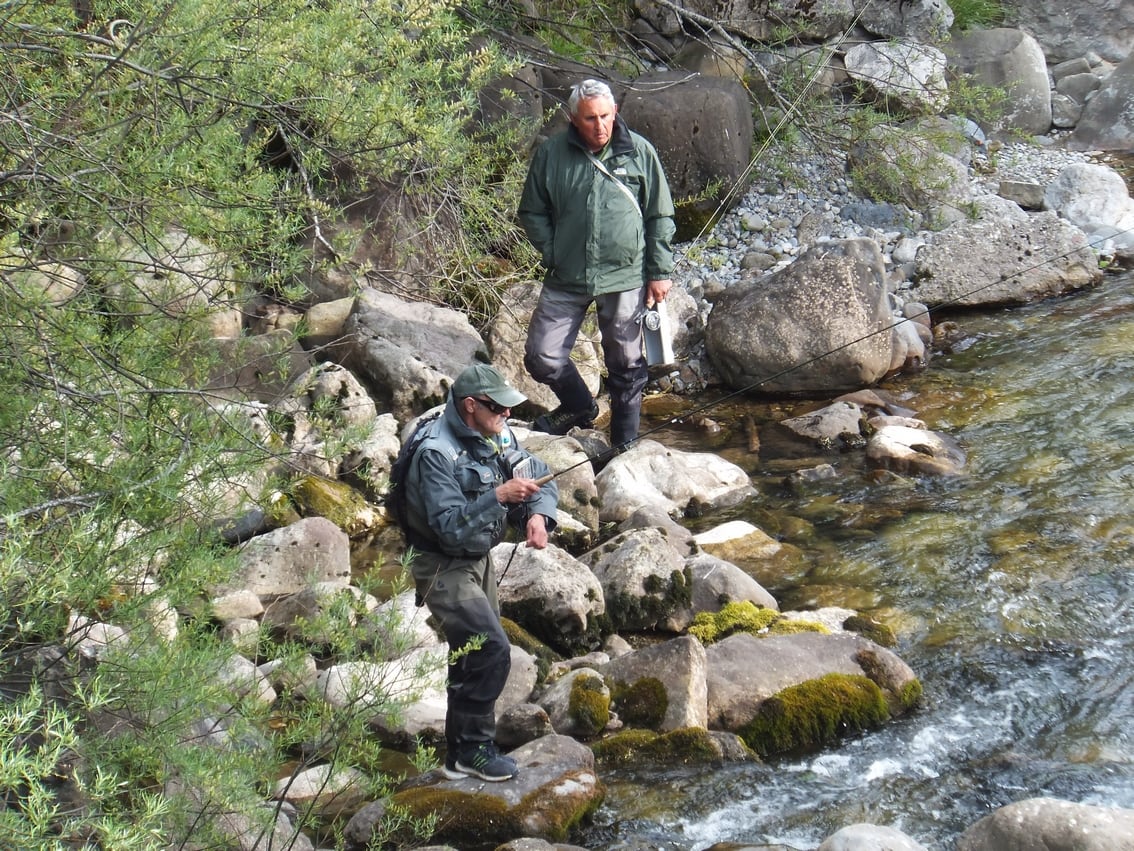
[{"x": 1010, "y": 590}]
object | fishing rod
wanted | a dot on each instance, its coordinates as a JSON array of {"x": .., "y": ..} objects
[{"x": 700, "y": 409}]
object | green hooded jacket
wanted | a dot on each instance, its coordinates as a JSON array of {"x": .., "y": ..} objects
[{"x": 591, "y": 237}]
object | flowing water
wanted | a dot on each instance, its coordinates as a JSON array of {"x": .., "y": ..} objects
[{"x": 1010, "y": 590}]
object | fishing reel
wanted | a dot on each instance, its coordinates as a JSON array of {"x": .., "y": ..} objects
[{"x": 514, "y": 464}]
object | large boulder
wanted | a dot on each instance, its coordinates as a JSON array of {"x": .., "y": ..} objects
[
  {"x": 702, "y": 129},
  {"x": 1003, "y": 262},
  {"x": 920, "y": 20},
  {"x": 662, "y": 686},
  {"x": 1094, "y": 198},
  {"x": 1069, "y": 30},
  {"x": 644, "y": 578},
  {"x": 550, "y": 594},
  {"x": 1052, "y": 825},
  {"x": 821, "y": 324},
  {"x": 675, "y": 482},
  {"x": 799, "y": 691},
  {"x": 288, "y": 560},
  {"x": 1107, "y": 121},
  {"x": 408, "y": 353},
  {"x": 1013, "y": 60},
  {"x": 905, "y": 74}
]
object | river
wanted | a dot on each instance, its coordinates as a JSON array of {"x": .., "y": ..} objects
[{"x": 1010, "y": 590}]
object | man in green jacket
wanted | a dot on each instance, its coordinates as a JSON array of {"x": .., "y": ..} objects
[{"x": 597, "y": 206}]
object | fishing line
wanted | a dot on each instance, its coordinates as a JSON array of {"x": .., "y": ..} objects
[{"x": 700, "y": 409}]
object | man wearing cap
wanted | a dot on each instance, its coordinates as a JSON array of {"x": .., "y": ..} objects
[{"x": 466, "y": 482}]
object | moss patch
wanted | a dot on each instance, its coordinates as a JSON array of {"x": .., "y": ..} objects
[
  {"x": 740, "y": 616},
  {"x": 560, "y": 814},
  {"x": 815, "y": 713},
  {"x": 589, "y": 704},
  {"x": 689, "y": 745},
  {"x": 879, "y": 633},
  {"x": 520, "y": 637},
  {"x": 459, "y": 814},
  {"x": 661, "y": 597},
  {"x": 642, "y": 703},
  {"x": 791, "y": 626}
]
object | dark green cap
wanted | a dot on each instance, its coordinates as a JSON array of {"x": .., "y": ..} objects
[{"x": 481, "y": 379}]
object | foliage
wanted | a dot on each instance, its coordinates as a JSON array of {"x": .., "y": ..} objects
[
  {"x": 970, "y": 14},
  {"x": 223, "y": 124}
]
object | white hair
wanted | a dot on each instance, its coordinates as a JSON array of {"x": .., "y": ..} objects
[{"x": 585, "y": 91}]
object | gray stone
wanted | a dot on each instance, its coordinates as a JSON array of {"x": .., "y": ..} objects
[
  {"x": 1013, "y": 60},
  {"x": 1107, "y": 122},
  {"x": 1052, "y": 825}
]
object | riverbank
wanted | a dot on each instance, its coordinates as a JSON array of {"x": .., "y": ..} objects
[{"x": 779, "y": 216}]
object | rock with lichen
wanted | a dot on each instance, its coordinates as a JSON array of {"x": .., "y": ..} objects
[
  {"x": 801, "y": 691},
  {"x": 555, "y": 789}
]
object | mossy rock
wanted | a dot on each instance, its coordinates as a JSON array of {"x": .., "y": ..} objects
[
  {"x": 737, "y": 616},
  {"x": 642, "y": 703},
  {"x": 340, "y": 503},
  {"x": 589, "y": 705},
  {"x": 458, "y": 815},
  {"x": 534, "y": 615},
  {"x": 476, "y": 819},
  {"x": 663, "y": 597},
  {"x": 687, "y": 746},
  {"x": 816, "y": 713},
  {"x": 545, "y": 656},
  {"x": 879, "y": 633}
]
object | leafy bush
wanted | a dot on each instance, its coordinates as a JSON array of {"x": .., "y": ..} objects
[
  {"x": 227, "y": 122},
  {"x": 969, "y": 14}
]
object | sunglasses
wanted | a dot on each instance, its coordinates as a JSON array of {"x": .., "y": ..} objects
[{"x": 495, "y": 407}]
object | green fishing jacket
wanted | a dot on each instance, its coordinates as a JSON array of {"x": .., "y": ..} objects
[{"x": 592, "y": 238}]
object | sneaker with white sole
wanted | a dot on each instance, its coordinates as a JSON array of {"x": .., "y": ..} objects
[
  {"x": 450, "y": 770},
  {"x": 485, "y": 761}
]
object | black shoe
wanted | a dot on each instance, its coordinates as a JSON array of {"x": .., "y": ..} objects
[
  {"x": 561, "y": 420},
  {"x": 484, "y": 760}
]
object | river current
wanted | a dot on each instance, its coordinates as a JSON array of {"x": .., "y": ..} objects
[{"x": 1010, "y": 590}]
